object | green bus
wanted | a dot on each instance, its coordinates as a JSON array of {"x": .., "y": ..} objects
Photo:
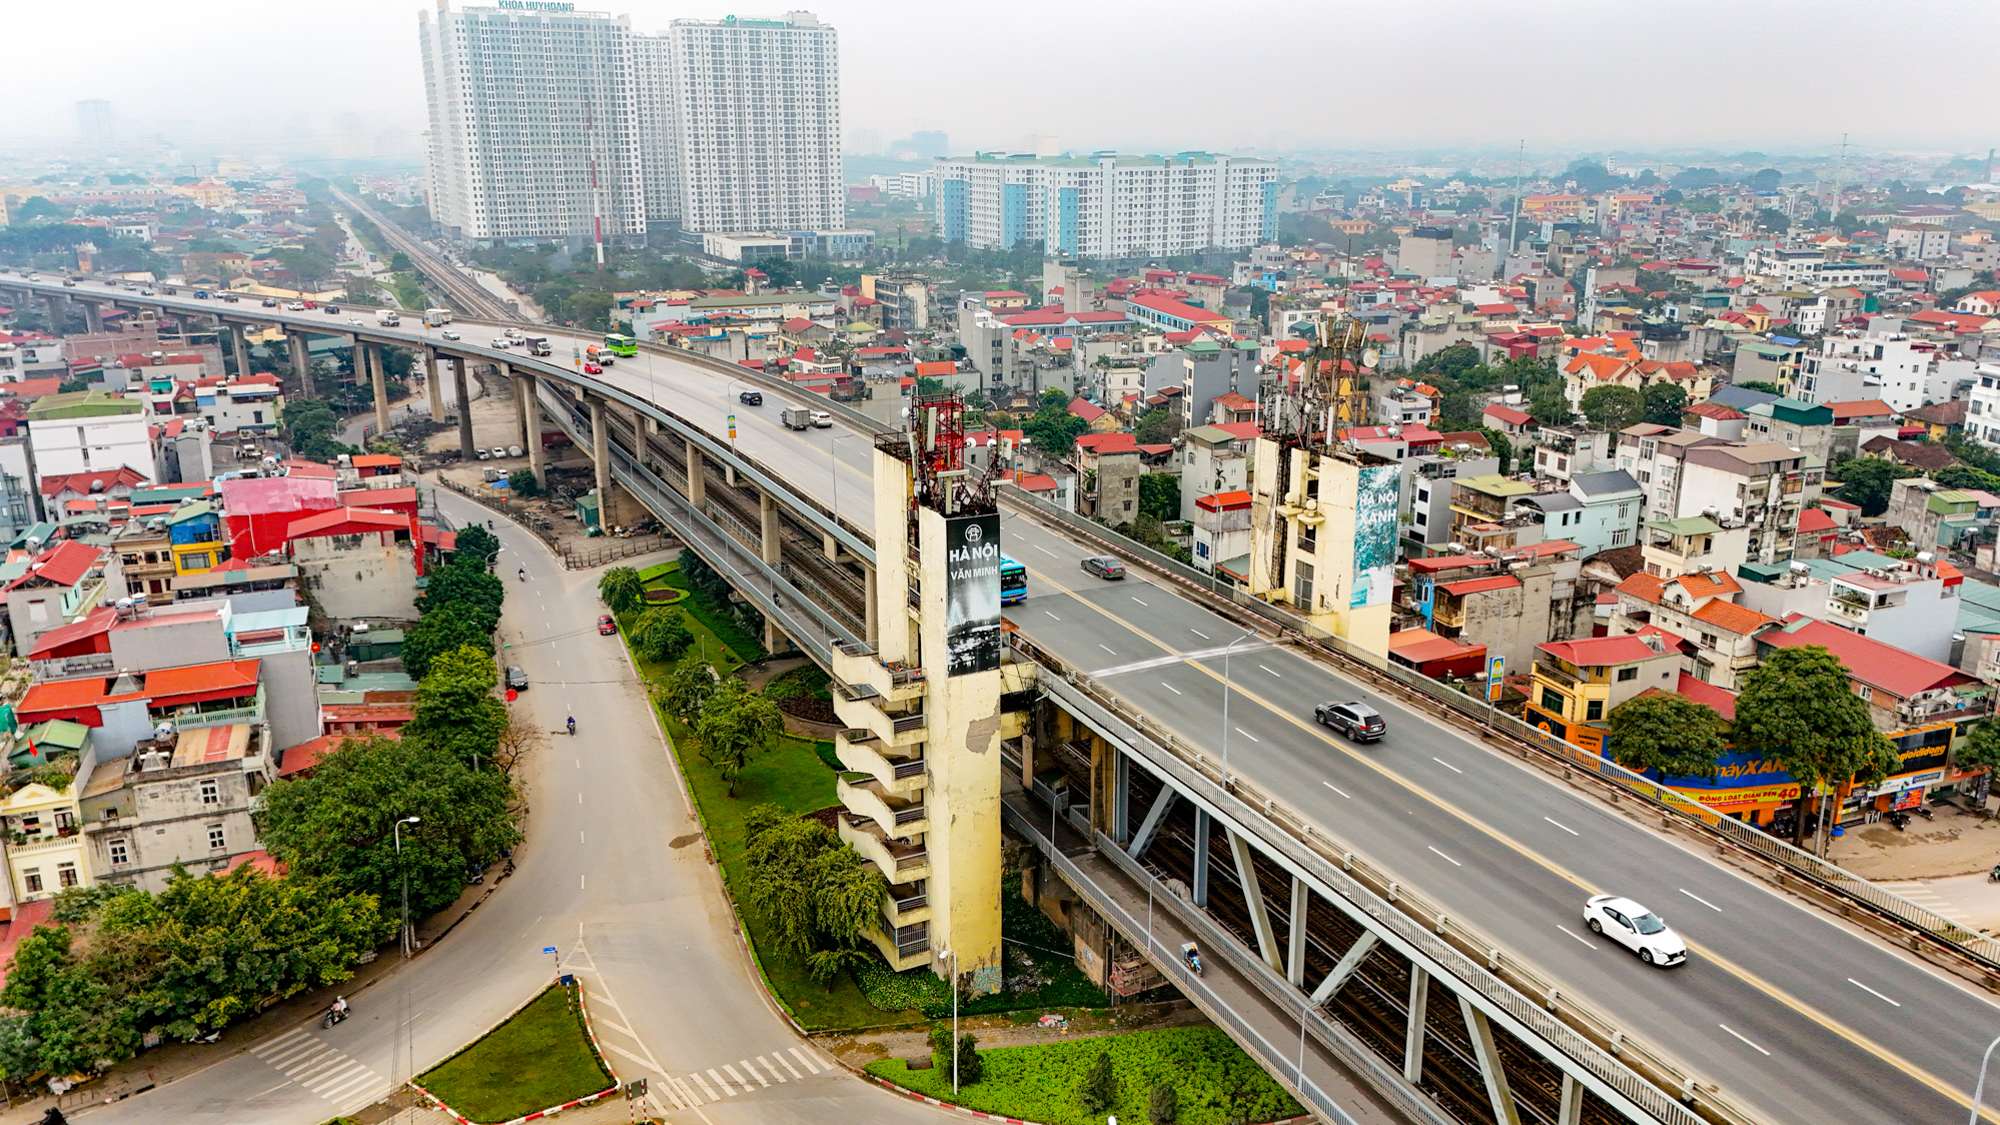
[{"x": 620, "y": 345}]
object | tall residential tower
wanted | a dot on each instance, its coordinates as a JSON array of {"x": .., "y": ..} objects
[{"x": 1107, "y": 205}]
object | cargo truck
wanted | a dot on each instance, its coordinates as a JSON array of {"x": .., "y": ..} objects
[
  {"x": 797, "y": 418},
  {"x": 436, "y": 318},
  {"x": 536, "y": 345},
  {"x": 387, "y": 318}
]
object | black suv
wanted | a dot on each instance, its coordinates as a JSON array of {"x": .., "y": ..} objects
[
  {"x": 750, "y": 398},
  {"x": 1358, "y": 721}
]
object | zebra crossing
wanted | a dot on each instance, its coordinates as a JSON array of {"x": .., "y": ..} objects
[
  {"x": 1929, "y": 899},
  {"x": 744, "y": 1076},
  {"x": 331, "y": 1074}
]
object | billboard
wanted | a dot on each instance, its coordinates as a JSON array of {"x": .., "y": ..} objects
[
  {"x": 972, "y": 594},
  {"x": 1375, "y": 505}
]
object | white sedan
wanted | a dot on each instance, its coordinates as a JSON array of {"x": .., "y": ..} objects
[
  {"x": 452, "y": 336},
  {"x": 1636, "y": 928}
]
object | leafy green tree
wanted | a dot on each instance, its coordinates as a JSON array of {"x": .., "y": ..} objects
[
  {"x": 1867, "y": 481},
  {"x": 819, "y": 902},
  {"x": 1163, "y": 1104},
  {"x": 686, "y": 688},
  {"x": 1160, "y": 495},
  {"x": 78, "y": 1013},
  {"x": 1666, "y": 732},
  {"x": 447, "y": 628},
  {"x": 456, "y": 711},
  {"x": 522, "y": 483},
  {"x": 20, "y": 1051},
  {"x": 1157, "y": 426},
  {"x": 1054, "y": 429},
  {"x": 736, "y": 724},
  {"x": 941, "y": 1050},
  {"x": 1765, "y": 386},
  {"x": 703, "y": 579},
  {"x": 1799, "y": 707},
  {"x": 1099, "y": 1090},
  {"x": 971, "y": 1067},
  {"x": 592, "y": 309},
  {"x": 622, "y": 589},
  {"x": 1613, "y": 407},
  {"x": 472, "y": 586},
  {"x": 1981, "y": 747},
  {"x": 660, "y": 635},
  {"x": 337, "y": 823},
  {"x": 477, "y": 548},
  {"x": 1501, "y": 447},
  {"x": 1665, "y": 403},
  {"x": 1966, "y": 476}
]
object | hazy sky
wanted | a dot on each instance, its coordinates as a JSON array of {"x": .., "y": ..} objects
[{"x": 1780, "y": 76}]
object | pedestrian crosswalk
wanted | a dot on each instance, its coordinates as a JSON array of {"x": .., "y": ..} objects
[
  {"x": 745, "y": 1076},
  {"x": 1924, "y": 896},
  {"x": 333, "y": 1075}
]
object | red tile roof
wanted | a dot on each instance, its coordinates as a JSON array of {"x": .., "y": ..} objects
[
  {"x": 346, "y": 521},
  {"x": 1108, "y": 443},
  {"x": 65, "y": 564},
  {"x": 1816, "y": 519},
  {"x": 1716, "y": 411},
  {"x": 1718, "y": 700},
  {"x": 1732, "y": 618},
  {"x": 1507, "y": 414},
  {"x": 1480, "y": 585},
  {"x": 238, "y": 677},
  {"x": 1086, "y": 410},
  {"x": 1601, "y": 652},
  {"x": 1215, "y": 501},
  {"x": 1899, "y": 673},
  {"x": 93, "y": 482}
]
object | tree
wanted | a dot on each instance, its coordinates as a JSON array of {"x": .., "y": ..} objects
[
  {"x": 1160, "y": 495},
  {"x": 447, "y": 628},
  {"x": 1867, "y": 481},
  {"x": 337, "y": 823},
  {"x": 971, "y": 1067},
  {"x": 455, "y": 710},
  {"x": 1053, "y": 428},
  {"x": 473, "y": 586},
  {"x": 1163, "y": 1104},
  {"x": 1764, "y": 386},
  {"x": 1099, "y": 1090},
  {"x": 686, "y": 689},
  {"x": 477, "y": 548},
  {"x": 1765, "y": 179},
  {"x": 522, "y": 483},
  {"x": 622, "y": 589},
  {"x": 735, "y": 724},
  {"x": 1799, "y": 707},
  {"x": 1664, "y": 403},
  {"x": 1613, "y": 407},
  {"x": 1666, "y": 732},
  {"x": 819, "y": 901},
  {"x": 1157, "y": 426},
  {"x": 703, "y": 579},
  {"x": 591, "y": 309},
  {"x": 659, "y": 634},
  {"x": 1981, "y": 747},
  {"x": 1501, "y": 447}
]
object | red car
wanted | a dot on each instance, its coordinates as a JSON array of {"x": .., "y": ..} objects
[
  {"x": 592, "y": 369},
  {"x": 607, "y": 625},
  {"x": 310, "y": 304}
]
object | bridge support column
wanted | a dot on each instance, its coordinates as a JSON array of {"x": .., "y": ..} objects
[
  {"x": 238, "y": 346},
  {"x": 1413, "y": 1036},
  {"x": 521, "y": 404},
  {"x": 1295, "y": 945},
  {"x": 1151, "y": 824},
  {"x": 56, "y": 315},
  {"x": 697, "y": 483},
  {"x": 767, "y": 509},
  {"x": 532, "y": 403},
  {"x": 466, "y": 450},
  {"x": 600, "y": 457},
  {"x": 1569, "y": 1103},
  {"x": 1199, "y": 892},
  {"x": 774, "y": 640},
  {"x": 829, "y": 546},
  {"x": 873, "y": 625},
  {"x": 1253, "y": 901},
  {"x": 373, "y": 353},
  {"x": 432, "y": 381},
  {"x": 1349, "y": 961},
  {"x": 1490, "y": 1064},
  {"x": 1121, "y": 796},
  {"x": 93, "y": 317},
  {"x": 295, "y": 342}
]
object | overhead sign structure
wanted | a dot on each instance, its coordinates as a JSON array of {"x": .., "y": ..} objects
[{"x": 972, "y": 594}]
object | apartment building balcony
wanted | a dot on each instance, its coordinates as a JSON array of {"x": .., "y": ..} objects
[
  {"x": 904, "y": 947},
  {"x": 1555, "y": 674},
  {"x": 192, "y": 717},
  {"x": 900, "y": 770},
  {"x": 896, "y": 730},
  {"x": 858, "y": 665},
  {"x": 43, "y": 845},
  {"x": 1447, "y": 610},
  {"x": 899, "y": 817},
  {"x": 899, "y": 862},
  {"x": 905, "y": 904}
]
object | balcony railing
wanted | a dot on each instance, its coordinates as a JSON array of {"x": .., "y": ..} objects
[
  {"x": 911, "y": 768},
  {"x": 65, "y": 667},
  {"x": 904, "y": 724},
  {"x": 1554, "y": 673}
]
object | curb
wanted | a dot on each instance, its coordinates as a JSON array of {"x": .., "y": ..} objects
[
  {"x": 985, "y": 1116},
  {"x": 588, "y": 1099}
]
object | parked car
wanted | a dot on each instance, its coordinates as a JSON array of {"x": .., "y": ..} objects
[
  {"x": 499, "y": 451},
  {"x": 452, "y": 336},
  {"x": 1636, "y": 928},
  {"x": 1355, "y": 719},
  {"x": 606, "y": 625},
  {"x": 1104, "y": 566},
  {"x": 517, "y": 678},
  {"x": 750, "y": 398}
]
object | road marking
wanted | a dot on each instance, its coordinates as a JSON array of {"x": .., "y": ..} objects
[
  {"x": 1753, "y": 1046},
  {"x": 1142, "y": 603},
  {"x": 806, "y": 1058},
  {"x": 1446, "y": 858},
  {"x": 1584, "y": 940},
  {"x": 1561, "y": 825},
  {"x": 1246, "y": 734},
  {"x": 617, "y": 1026},
  {"x": 322, "y": 1070},
  {"x": 1336, "y": 789},
  {"x": 1107, "y": 648},
  {"x": 766, "y": 1064},
  {"x": 1872, "y": 992},
  {"x": 1052, "y": 616},
  {"x": 579, "y": 798},
  {"x": 579, "y": 836},
  {"x": 725, "y": 1087},
  {"x": 579, "y": 881},
  {"x": 1268, "y": 670},
  {"x": 1045, "y": 550},
  {"x": 751, "y": 1069},
  {"x": 1447, "y": 765},
  {"x": 1699, "y": 899},
  {"x": 780, "y": 1056},
  {"x": 1170, "y": 687},
  {"x": 1198, "y": 633}
]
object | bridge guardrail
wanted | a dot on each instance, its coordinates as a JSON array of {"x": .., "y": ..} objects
[{"x": 1924, "y": 924}]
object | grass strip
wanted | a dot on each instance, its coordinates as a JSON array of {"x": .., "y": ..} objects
[{"x": 541, "y": 1057}]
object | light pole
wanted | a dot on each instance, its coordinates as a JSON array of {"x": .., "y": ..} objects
[
  {"x": 943, "y": 953},
  {"x": 1226, "y": 649},
  {"x": 397, "y": 832},
  {"x": 1978, "y": 1089}
]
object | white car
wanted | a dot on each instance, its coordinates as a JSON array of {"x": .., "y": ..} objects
[
  {"x": 296, "y": 306},
  {"x": 354, "y": 320},
  {"x": 452, "y": 335},
  {"x": 500, "y": 343},
  {"x": 1636, "y": 928}
]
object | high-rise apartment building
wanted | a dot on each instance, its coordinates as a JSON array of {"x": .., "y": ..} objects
[
  {"x": 544, "y": 122},
  {"x": 1107, "y": 205},
  {"x": 533, "y": 123},
  {"x": 756, "y": 104},
  {"x": 93, "y": 124}
]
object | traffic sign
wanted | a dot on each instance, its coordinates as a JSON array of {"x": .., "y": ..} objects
[
  {"x": 635, "y": 1089},
  {"x": 548, "y": 949}
]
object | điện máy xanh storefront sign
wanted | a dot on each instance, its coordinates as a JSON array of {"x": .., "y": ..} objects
[{"x": 1747, "y": 781}]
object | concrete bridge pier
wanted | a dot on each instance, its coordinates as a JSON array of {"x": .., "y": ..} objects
[
  {"x": 378, "y": 380},
  {"x": 93, "y": 316},
  {"x": 239, "y": 347},
  {"x": 466, "y": 449},
  {"x": 301, "y": 361}
]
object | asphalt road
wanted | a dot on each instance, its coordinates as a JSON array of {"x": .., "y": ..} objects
[
  {"x": 1790, "y": 1013},
  {"x": 612, "y": 874}
]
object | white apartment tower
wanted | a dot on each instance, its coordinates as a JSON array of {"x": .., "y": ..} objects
[
  {"x": 756, "y": 107},
  {"x": 533, "y": 123},
  {"x": 1108, "y": 205}
]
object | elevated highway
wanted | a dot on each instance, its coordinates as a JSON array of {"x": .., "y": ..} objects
[{"x": 1783, "y": 1011}]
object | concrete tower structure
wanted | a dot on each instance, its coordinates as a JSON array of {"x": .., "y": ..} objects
[{"x": 923, "y": 707}]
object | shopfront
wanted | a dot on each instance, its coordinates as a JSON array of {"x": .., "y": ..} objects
[{"x": 1926, "y": 754}]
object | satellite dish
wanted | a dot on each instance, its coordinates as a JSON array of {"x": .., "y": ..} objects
[{"x": 1370, "y": 357}]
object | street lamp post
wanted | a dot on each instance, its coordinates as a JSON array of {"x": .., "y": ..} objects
[
  {"x": 397, "y": 832},
  {"x": 1979, "y": 1088},
  {"x": 1226, "y": 649}
]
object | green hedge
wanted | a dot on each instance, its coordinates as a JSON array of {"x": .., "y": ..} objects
[
  {"x": 717, "y": 618},
  {"x": 1216, "y": 1080}
]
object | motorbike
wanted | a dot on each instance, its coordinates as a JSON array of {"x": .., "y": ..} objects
[
  {"x": 1993, "y": 876},
  {"x": 572, "y": 728},
  {"x": 333, "y": 1016},
  {"x": 1191, "y": 957}
]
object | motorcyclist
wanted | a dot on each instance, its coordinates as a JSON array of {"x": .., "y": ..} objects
[
  {"x": 340, "y": 1004},
  {"x": 572, "y": 725},
  {"x": 1192, "y": 956},
  {"x": 524, "y": 574}
]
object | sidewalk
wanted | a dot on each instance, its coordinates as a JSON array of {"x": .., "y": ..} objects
[
  {"x": 1000, "y": 1031},
  {"x": 1954, "y": 842}
]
